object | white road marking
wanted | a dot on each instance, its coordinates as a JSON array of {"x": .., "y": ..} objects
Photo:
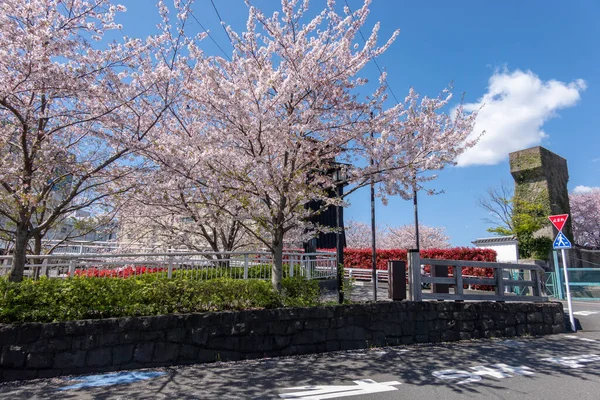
[
  {"x": 451, "y": 374},
  {"x": 498, "y": 371},
  {"x": 522, "y": 370},
  {"x": 580, "y": 338},
  {"x": 365, "y": 386},
  {"x": 513, "y": 343},
  {"x": 573, "y": 361},
  {"x": 586, "y": 313}
]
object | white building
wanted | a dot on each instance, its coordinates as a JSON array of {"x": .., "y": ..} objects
[{"x": 505, "y": 246}]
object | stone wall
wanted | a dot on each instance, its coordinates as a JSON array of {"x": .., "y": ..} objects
[{"x": 34, "y": 350}]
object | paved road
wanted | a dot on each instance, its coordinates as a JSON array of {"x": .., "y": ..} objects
[{"x": 552, "y": 367}]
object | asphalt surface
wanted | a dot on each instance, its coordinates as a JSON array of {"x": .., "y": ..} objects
[{"x": 552, "y": 367}]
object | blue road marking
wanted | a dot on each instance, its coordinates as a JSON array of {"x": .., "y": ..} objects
[{"x": 119, "y": 378}]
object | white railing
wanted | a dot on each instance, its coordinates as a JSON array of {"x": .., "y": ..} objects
[
  {"x": 458, "y": 280},
  {"x": 192, "y": 265}
]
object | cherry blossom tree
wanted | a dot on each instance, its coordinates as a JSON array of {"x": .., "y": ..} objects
[
  {"x": 430, "y": 237},
  {"x": 264, "y": 129},
  {"x": 73, "y": 107},
  {"x": 165, "y": 211},
  {"x": 585, "y": 211},
  {"x": 358, "y": 235}
]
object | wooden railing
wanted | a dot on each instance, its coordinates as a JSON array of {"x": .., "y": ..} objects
[{"x": 458, "y": 280}]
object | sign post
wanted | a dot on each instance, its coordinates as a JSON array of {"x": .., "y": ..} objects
[{"x": 561, "y": 242}]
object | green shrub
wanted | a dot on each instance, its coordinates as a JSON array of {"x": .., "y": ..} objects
[
  {"x": 299, "y": 292},
  {"x": 51, "y": 300}
]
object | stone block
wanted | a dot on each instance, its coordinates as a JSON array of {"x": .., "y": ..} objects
[
  {"x": 406, "y": 340},
  {"x": 535, "y": 318},
  {"x": 449, "y": 336},
  {"x": 422, "y": 328},
  {"x": 69, "y": 359},
  {"x": 85, "y": 342},
  {"x": 99, "y": 357},
  {"x": 12, "y": 356},
  {"x": 558, "y": 317},
  {"x": 39, "y": 360},
  {"x": 152, "y": 336},
  {"x": 281, "y": 342},
  {"x": 28, "y": 333},
  {"x": 8, "y": 334},
  {"x": 465, "y": 335},
  {"x": 422, "y": 338},
  {"x": 49, "y": 373},
  {"x": 487, "y": 324},
  {"x": 435, "y": 337},
  {"x": 53, "y": 330},
  {"x": 199, "y": 336},
  {"x": 408, "y": 328},
  {"x": 110, "y": 339},
  {"x": 239, "y": 329},
  {"x": 126, "y": 324},
  {"x": 510, "y": 331},
  {"x": 143, "y": 353},
  {"x": 467, "y": 326},
  {"x": 176, "y": 335},
  {"x": 19, "y": 374},
  {"x": 510, "y": 320},
  {"x": 316, "y": 324},
  {"x": 122, "y": 354},
  {"x": 206, "y": 356},
  {"x": 188, "y": 352},
  {"x": 165, "y": 352},
  {"x": 76, "y": 328},
  {"x": 129, "y": 337}
]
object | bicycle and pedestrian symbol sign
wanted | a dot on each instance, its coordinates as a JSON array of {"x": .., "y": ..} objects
[{"x": 561, "y": 241}]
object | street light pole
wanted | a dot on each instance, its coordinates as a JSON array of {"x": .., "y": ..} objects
[
  {"x": 339, "y": 250},
  {"x": 416, "y": 207}
]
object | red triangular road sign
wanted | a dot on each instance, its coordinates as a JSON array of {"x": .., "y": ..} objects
[{"x": 558, "y": 220}]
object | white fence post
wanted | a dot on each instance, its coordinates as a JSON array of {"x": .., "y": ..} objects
[
  {"x": 246, "y": 266},
  {"x": 71, "y": 268},
  {"x": 414, "y": 265},
  {"x": 170, "y": 267},
  {"x": 44, "y": 271},
  {"x": 291, "y": 264}
]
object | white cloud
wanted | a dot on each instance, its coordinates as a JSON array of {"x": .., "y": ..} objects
[
  {"x": 515, "y": 108},
  {"x": 583, "y": 189}
]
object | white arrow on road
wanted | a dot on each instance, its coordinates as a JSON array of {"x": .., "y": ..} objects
[{"x": 365, "y": 386}]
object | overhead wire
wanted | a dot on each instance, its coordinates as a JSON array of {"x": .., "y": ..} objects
[
  {"x": 374, "y": 60},
  {"x": 210, "y": 36},
  {"x": 221, "y": 21}
]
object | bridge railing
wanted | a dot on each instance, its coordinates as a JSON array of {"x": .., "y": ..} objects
[{"x": 441, "y": 284}]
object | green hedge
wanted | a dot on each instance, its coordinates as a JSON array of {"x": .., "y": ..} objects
[{"x": 51, "y": 300}]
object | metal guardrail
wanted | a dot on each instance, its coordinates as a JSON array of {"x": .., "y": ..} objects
[
  {"x": 458, "y": 280},
  {"x": 192, "y": 265}
]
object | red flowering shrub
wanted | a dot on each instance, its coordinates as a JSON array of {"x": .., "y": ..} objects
[
  {"x": 361, "y": 258},
  {"x": 117, "y": 273}
]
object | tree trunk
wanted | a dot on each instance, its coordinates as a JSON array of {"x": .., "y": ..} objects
[
  {"x": 19, "y": 255},
  {"x": 277, "y": 270},
  {"x": 37, "y": 250}
]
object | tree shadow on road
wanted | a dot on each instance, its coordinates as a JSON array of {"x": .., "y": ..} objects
[{"x": 267, "y": 378}]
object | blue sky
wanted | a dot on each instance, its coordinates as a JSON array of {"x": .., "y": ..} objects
[{"x": 535, "y": 65}]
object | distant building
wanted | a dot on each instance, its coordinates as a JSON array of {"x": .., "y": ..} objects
[{"x": 505, "y": 246}]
